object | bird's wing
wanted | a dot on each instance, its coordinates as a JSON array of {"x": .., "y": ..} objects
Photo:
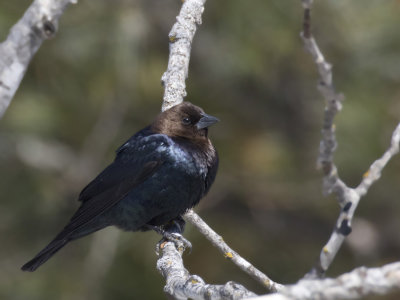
[{"x": 136, "y": 161}]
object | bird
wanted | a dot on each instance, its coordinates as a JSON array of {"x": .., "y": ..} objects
[{"x": 157, "y": 175}]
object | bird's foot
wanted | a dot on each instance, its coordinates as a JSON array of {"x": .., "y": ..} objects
[{"x": 180, "y": 242}]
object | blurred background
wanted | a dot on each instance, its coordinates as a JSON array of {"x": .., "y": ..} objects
[{"x": 98, "y": 82}]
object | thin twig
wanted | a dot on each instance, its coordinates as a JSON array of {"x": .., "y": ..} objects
[
  {"x": 39, "y": 23},
  {"x": 180, "y": 44},
  {"x": 229, "y": 253},
  {"x": 375, "y": 170}
]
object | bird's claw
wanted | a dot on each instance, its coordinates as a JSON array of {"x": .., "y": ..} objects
[{"x": 180, "y": 242}]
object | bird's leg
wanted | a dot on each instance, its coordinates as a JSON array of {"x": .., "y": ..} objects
[
  {"x": 172, "y": 232},
  {"x": 176, "y": 225}
]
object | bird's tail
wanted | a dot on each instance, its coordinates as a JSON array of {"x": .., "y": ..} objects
[{"x": 45, "y": 254}]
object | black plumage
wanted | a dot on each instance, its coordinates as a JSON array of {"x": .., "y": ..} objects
[{"x": 157, "y": 175}]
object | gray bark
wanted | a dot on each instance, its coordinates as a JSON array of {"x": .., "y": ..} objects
[{"x": 39, "y": 23}]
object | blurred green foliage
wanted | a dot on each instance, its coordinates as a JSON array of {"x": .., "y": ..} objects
[{"x": 98, "y": 81}]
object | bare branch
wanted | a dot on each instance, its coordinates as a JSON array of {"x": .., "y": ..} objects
[
  {"x": 333, "y": 102},
  {"x": 229, "y": 253},
  {"x": 358, "y": 283},
  {"x": 181, "y": 285},
  {"x": 180, "y": 44},
  {"x": 348, "y": 198},
  {"x": 39, "y": 23}
]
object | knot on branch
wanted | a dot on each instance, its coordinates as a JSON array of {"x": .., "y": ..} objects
[
  {"x": 345, "y": 228},
  {"x": 46, "y": 28},
  {"x": 49, "y": 28}
]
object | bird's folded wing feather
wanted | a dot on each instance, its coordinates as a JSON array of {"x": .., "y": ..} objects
[{"x": 135, "y": 163}]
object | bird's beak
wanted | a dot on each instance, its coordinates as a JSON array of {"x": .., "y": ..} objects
[{"x": 206, "y": 121}]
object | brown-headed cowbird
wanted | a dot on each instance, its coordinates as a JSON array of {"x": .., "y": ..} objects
[{"x": 158, "y": 174}]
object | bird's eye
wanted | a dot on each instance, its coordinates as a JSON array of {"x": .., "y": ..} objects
[{"x": 186, "y": 121}]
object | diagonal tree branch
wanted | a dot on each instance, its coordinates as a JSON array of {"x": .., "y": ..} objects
[
  {"x": 39, "y": 23},
  {"x": 231, "y": 254},
  {"x": 374, "y": 172}
]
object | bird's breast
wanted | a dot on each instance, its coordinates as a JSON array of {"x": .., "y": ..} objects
[{"x": 188, "y": 162}]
